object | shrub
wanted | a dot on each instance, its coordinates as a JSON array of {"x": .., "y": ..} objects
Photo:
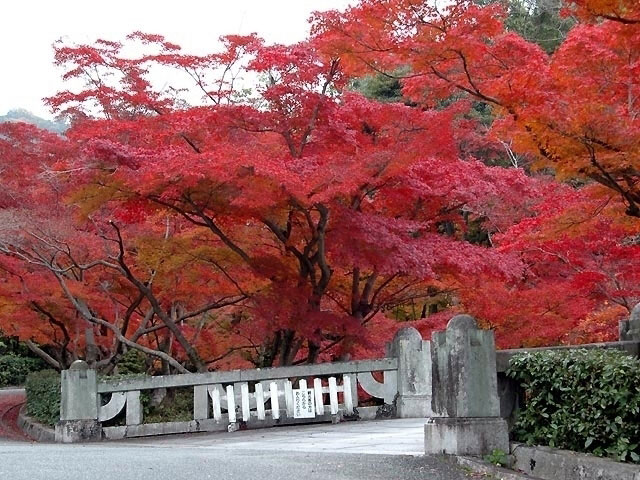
[
  {"x": 497, "y": 457},
  {"x": 132, "y": 362},
  {"x": 14, "y": 369},
  {"x": 581, "y": 400},
  {"x": 13, "y": 346},
  {"x": 43, "y": 396},
  {"x": 176, "y": 407}
]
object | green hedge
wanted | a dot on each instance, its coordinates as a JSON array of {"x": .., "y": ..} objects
[
  {"x": 43, "y": 396},
  {"x": 14, "y": 369},
  {"x": 581, "y": 400}
]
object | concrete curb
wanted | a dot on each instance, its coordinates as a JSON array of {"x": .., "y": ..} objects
[
  {"x": 35, "y": 430},
  {"x": 16, "y": 389},
  {"x": 551, "y": 464},
  {"x": 480, "y": 466}
]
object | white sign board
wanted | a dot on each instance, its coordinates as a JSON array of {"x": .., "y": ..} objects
[{"x": 304, "y": 403}]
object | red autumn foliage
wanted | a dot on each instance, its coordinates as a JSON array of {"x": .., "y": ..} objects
[{"x": 210, "y": 225}]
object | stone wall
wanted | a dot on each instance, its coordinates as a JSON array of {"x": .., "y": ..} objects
[{"x": 553, "y": 464}]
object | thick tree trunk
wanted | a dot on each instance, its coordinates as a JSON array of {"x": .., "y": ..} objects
[
  {"x": 91, "y": 350},
  {"x": 44, "y": 355},
  {"x": 314, "y": 351},
  {"x": 269, "y": 351},
  {"x": 290, "y": 347}
]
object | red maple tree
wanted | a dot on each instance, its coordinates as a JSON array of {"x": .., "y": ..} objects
[
  {"x": 209, "y": 224},
  {"x": 321, "y": 208}
]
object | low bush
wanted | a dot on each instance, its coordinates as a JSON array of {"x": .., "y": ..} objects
[
  {"x": 177, "y": 406},
  {"x": 13, "y": 346},
  {"x": 581, "y": 400},
  {"x": 14, "y": 369},
  {"x": 43, "y": 396},
  {"x": 133, "y": 362}
]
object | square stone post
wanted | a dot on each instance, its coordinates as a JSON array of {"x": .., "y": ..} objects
[
  {"x": 465, "y": 402},
  {"x": 78, "y": 405},
  {"x": 630, "y": 329},
  {"x": 201, "y": 402},
  {"x": 414, "y": 373}
]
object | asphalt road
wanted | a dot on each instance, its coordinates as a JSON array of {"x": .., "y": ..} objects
[
  {"x": 122, "y": 461},
  {"x": 389, "y": 450}
]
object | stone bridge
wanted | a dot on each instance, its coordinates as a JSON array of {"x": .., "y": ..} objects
[
  {"x": 437, "y": 396},
  {"x": 449, "y": 382}
]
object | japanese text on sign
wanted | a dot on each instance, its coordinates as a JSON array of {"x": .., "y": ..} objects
[{"x": 304, "y": 403}]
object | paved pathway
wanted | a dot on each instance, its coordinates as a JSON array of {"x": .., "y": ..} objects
[
  {"x": 384, "y": 450},
  {"x": 182, "y": 461},
  {"x": 386, "y": 437}
]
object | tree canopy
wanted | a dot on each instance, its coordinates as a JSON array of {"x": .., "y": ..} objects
[{"x": 208, "y": 224}]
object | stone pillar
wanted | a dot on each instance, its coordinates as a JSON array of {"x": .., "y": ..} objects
[
  {"x": 78, "y": 405},
  {"x": 466, "y": 405},
  {"x": 414, "y": 373},
  {"x": 630, "y": 329},
  {"x": 201, "y": 402}
]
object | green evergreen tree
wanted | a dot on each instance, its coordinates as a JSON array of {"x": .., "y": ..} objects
[
  {"x": 380, "y": 87},
  {"x": 538, "y": 21}
]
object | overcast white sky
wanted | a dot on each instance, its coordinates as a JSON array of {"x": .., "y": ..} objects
[{"x": 29, "y": 27}]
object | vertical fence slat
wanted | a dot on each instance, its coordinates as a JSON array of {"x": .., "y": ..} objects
[
  {"x": 134, "y": 409},
  {"x": 246, "y": 411},
  {"x": 288, "y": 398},
  {"x": 333, "y": 395},
  {"x": 275, "y": 405},
  {"x": 260, "y": 401},
  {"x": 200, "y": 402},
  {"x": 348, "y": 399},
  {"x": 317, "y": 390},
  {"x": 215, "y": 401},
  {"x": 231, "y": 404},
  {"x": 354, "y": 389}
]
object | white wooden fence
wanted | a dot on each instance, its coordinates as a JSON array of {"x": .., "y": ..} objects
[{"x": 253, "y": 398}]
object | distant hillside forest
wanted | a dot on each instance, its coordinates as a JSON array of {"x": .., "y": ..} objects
[{"x": 21, "y": 115}]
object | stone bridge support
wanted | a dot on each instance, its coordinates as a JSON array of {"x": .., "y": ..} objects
[
  {"x": 78, "y": 405},
  {"x": 414, "y": 374},
  {"x": 465, "y": 401},
  {"x": 630, "y": 329}
]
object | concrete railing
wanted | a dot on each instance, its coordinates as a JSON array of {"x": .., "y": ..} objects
[
  {"x": 449, "y": 380},
  {"x": 631, "y": 347},
  {"x": 251, "y": 398}
]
